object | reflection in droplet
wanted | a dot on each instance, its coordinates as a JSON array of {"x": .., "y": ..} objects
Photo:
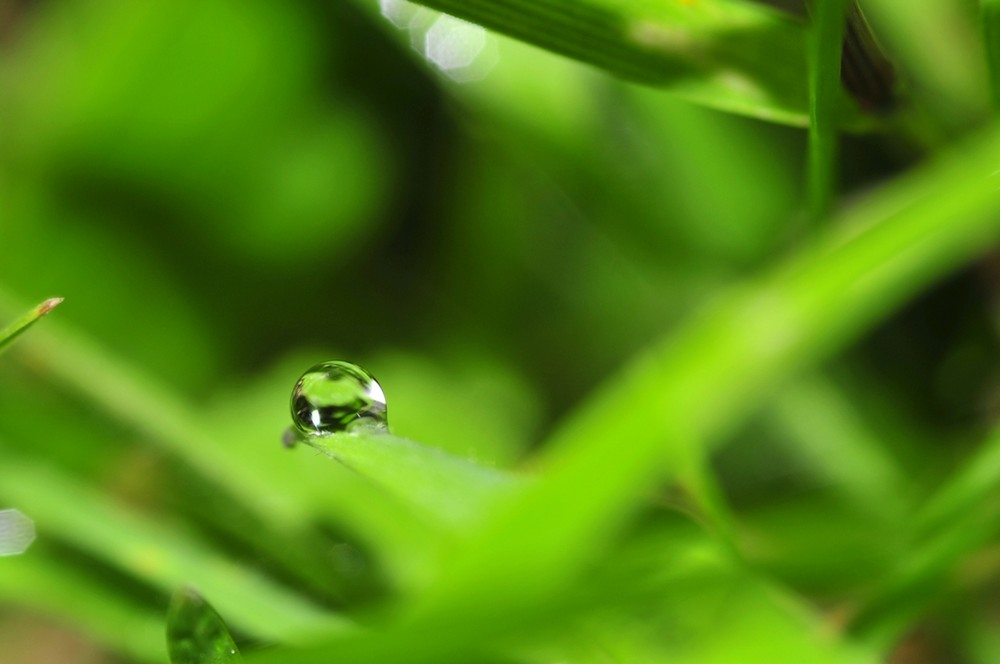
[
  {"x": 17, "y": 532},
  {"x": 336, "y": 396}
]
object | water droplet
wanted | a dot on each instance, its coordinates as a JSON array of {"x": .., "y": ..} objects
[{"x": 336, "y": 396}]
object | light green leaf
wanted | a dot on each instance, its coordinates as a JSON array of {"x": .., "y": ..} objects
[
  {"x": 11, "y": 332},
  {"x": 161, "y": 556}
]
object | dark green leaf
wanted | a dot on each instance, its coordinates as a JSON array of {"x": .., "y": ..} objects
[{"x": 195, "y": 632}]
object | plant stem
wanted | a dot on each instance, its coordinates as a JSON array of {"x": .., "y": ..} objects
[
  {"x": 990, "y": 13},
  {"x": 826, "y": 36}
]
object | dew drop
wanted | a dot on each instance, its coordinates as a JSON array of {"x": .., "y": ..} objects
[{"x": 336, "y": 396}]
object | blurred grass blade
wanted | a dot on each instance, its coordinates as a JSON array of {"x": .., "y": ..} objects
[
  {"x": 160, "y": 556},
  {"x": 826, "y": 36},
  {"x": 698, "y": 383},
  {"x": 990, "y": 14},
  {"x": 865, "y": 70},
  {"x": 965, "y": 490},
  {"x": 51, "y": 586},
  {"x": 823, "y": 423},
  {"x": 735, "y": 56},
  {"x": 138, "y": 400},
  {"x": 196, "y": 633},
  {"x": 958, "y": 519},
  {"x": 694, "y": 387},
  {"x": 702, "y": 379},
  {"x": 11, "y": 332},
  {"x": 940, "y": 51}
]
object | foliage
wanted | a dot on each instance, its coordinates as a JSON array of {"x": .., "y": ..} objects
[{"x": 655, "y": 393}]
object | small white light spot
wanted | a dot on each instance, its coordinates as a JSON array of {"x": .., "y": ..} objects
[
  {"x": 665, "y": 38},
  {"x": 740, "y": 83},
  {"x": 399, "y": 12},
  {"x": 455, "y": 46},
  {"x": 17, "y": 532}
]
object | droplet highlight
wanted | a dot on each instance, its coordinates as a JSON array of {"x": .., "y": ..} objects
[{"x": 334, "y": 397}]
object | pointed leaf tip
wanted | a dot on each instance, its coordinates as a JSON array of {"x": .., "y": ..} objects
[
  {"x": 48, "y": 305},
  {"x": 12, "y": 331}
]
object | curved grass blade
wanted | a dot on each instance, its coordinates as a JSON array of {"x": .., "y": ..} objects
[
  {"x": 44, "y": 583},
  {"x": 137, "y": 399},
  {"x": 196, "y": 633},
  {"x": 865, "y": 70},
  {"x": 734, "y": 56},
  {"x": 677, "y": 399},
  {"x": 12, "y": 331},
  {"x": 159, "y": 555}
]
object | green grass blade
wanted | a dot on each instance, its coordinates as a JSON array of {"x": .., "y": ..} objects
[
  {"x": 826, "y": 37},
  {"x": 940, "y": 52},
  {"x": 451, "y": 490},
  {"x": 241, "y": 466},
  {"x": 958, "y": 520},
  {"x": 196, "y": 634},
  {"x": 160, "y": 556},
  {"x": 694, "y": 387},
  {"x": 966, "y": 489},
  {"x": 43, "y": 583},
  {"x": 698, "y": 383},
  {"x": 12, "y": 331},
  {"x": 730, "y": 55},
  {"x": 829, "y": 433},
  {"x": 990, "y": 13},
  {"x": 924, "y": 577}
]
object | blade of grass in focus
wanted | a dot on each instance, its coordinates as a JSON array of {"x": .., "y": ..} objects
[
  {"x": 196, "y": 634},
  {"x": 825, "y": 40},
  {"x": 453, "y": 490},
  {"x": 12, "y": 331}
]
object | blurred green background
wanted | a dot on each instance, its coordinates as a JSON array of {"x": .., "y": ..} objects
[{"x": 229, "y": 191}]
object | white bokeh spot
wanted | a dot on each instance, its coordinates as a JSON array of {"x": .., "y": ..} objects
[
  {"x": 457, "y": 48},
  {"x": 399, "y": 12},
  {"x": 17, "y": 532}
]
